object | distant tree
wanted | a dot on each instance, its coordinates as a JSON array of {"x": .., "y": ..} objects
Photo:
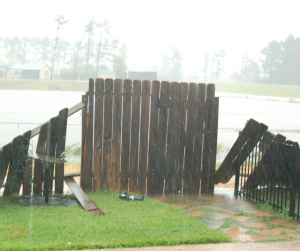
[
  {"x": 273, "y": 60},
  {"x": 212, "y": 62},
  {"x": 119, "y": 64},
  {"x": 44, "y": 51},
  {"x": 176, "y": 60},
  {"x": 89, "y": 28},
  {"x": 205, "y": 65},
  {"x": 61, "y": 21},
  {"x": 165, "y": 65},
  {"x": 250, "y": 69},
  {"x": 219, "y": 59},
  {"x": 236, "y": 76}
]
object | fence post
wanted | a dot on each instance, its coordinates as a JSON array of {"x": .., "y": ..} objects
[{"x": 294, "y": 180}]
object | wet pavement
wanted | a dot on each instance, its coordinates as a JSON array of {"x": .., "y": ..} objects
[{"x": 240, "y": 219}]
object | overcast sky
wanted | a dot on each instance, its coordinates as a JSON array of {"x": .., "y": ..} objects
[{"x": 149, "y": 28}]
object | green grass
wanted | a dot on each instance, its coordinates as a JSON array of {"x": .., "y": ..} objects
[
  {"x": 291, "y": 92},
  {"x": 287, "y": 91},
  {"x": 126, "y": 224}
]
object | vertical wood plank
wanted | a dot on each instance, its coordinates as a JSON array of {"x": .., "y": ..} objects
[
  {"x": 182, "y": 122},
  {"x": 12, "y": 176},
  {"x": 83, "y": 137},
  {"x": 215, "y": 138},
  {"x": 60, "y": 149},
  {"x": 50, "y": 147},
  {"x": 38, "y": 165},
  {"x": 200, "y": 114},
  {"x": 88, "y": 165},
  {"x": 107, "y": 134},
  {"x": 4, "y": 161},
  {"x": 207, "y": 186},
  {"x": 135, "y": 123},
  {"x": 162, "y": 133},
  {"x": 98, "y": 167},
  {"x": 144, "y": 135},
  {"x": 116, "y": 141},
  {"x": 126, "y": 134},
  {"x": 173, "y": 184},
  {"x": 191, "y": 183},
  {"x": 153, "y": 138},
  {"x": 27, "y": 165}
]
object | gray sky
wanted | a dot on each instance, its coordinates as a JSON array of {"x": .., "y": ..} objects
[{"x": 149, "y": 28}]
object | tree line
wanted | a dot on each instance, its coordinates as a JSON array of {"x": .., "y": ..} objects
[
  {"x": 95, "y": 50},
  {"x": 279, "y": 64}
]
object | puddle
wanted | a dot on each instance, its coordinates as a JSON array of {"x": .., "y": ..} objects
[{"x": 244, "y": 222}]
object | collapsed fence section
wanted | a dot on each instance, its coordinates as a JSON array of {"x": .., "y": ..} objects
[
  {"x": 152, "y": 137},
  {"x": 271, "y": 173}
]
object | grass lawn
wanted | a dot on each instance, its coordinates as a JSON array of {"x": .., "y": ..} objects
[
  {"x": 82, "y": 86},
  {"x": 126, "y": 224}
]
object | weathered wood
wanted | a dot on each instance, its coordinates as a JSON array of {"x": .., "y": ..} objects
[
  {"x": 200, "y": 117},
  {"x": 60, "y": 149},
  {"x": 46, "y": 158},
  {"x": 116, "y": 141},
  {"x": 88, "y": 165},
  {"x": 173, "y": 145},
  {"x": 189, "y": 167},
  {"x": 207, "y": 184},
  {"x": 182, "y": 122},
  {"x": 27, "y": 177},
  {"x": 135, "y": 124},
  {"x": 83, "y": 137},
  {"x": 98, "y": 164},
  {"x": 268, "y": 138},
  {"x": 126, "y": 134},
  {"x": 83, "y": 199},
  {"x": 264, "y": 166},
  {"x": 223, "y": 174},
  {"x": 215, "y": 139},
  {"x": 38, "y": 165},
  {"x": 50, "y": 148},
  {"x": 161, "y": 171},
  {"x": 153, "y": 163},
  {"x": 4, "y": 161},
  {"x": 248, "y": 147},
  {"x": 14, "y": 167},
  {"x": 107, "y": 134}
]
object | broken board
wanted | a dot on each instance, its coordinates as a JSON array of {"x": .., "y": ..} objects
[{"x": 83, "y": 199}]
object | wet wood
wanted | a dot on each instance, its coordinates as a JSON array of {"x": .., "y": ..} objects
[
  {"x": 223, "y": 174},
  {"x": 260, "y": 130},
  {"x": 50, "y": 147},
  {"x": 98, "y": 164},
  {"x": 60, "y": 150},
  {"x": 173, "y": 169},
  {"x": 45, "y": 158},
  {"x": 162, "y": 172},
  {"x": 199, "y": 126},
  {"x": 268, "y": 138},
  {"x": 14, "y": 167},
  {"x": 182, "y": 123},
  {"x": 107, "y": 134},
  {"x": 27, "y": 177},
  {"x": 83, "y": 136},
  {"x": 87, "y": 179},
  {"x": 135, "y": 123},
  {"x": 189, "y": 167},
  {"x": 4, "y": 161},
  {"x": 38, "y": 165},
  {"x": 153, "y": 161},
  {"x": 83, "y": 199},
  {"x": 207, "y": 187},
  {"x": 215, "y": 139},
  {"x": 126, "y": 134},
  {"x": 116, "y": 141}
]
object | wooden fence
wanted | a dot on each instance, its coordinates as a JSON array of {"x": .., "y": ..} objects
[{"x": 154, "y": 138}]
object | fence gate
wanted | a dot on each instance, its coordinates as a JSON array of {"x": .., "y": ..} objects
[{"x": 151, "y": 137}]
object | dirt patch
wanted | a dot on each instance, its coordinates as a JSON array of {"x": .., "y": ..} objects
[
  {"x": 261, "y": 213},
  {"x": 248, "y": 237},
  {"x": 255, "y": 224},
  {"x": 237, "y": 218},
  {"x": 195, "y": 213},
  {"x": 236, "y": 230},
  {"x": 219, "y": 208},
  {"x": 178, "y": 205},
  {"x": 19, "y": 232}
]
